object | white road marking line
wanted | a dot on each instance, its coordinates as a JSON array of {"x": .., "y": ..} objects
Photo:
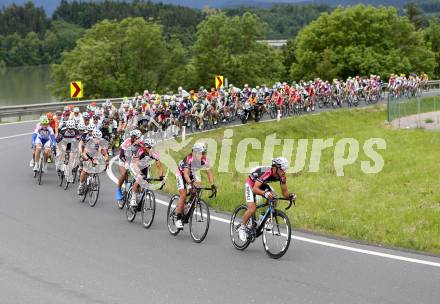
[
  {"x": 18, "y": 135},
  {"x": 17, "y": 122},
  {"x": 309, "y": 240}
]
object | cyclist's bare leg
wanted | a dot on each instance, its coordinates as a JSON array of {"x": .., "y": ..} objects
[
  {"x": 252, "y": 207},
  {"x": 181, "y": 203},
  {"x": 122, "y": 176}
]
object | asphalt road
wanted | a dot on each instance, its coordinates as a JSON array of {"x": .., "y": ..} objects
[{"x": 55, "y": 249}]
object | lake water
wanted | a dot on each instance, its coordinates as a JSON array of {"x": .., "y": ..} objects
[{"x": 25, "y": 85}]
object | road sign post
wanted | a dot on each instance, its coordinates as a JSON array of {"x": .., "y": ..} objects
[
  {"x": 218, "y": 82},
  {"x": 76, "y": 89}
]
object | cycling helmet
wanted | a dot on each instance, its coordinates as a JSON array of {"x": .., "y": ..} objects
[
  {"x": 280, "y": 162},
  {"x": 91, "y": 127},
  {"x": 199, "y": 147},
  {"x": 86, "y": 115},
  {"x": 70, "y": 124},
  {"x": 49, "y": 115},
  {"x": 136, "y": 133},
  {"x": 81, "y": 127},
  {"x": 44, "y": 120},
  {"x": 76, "y": 110},
  {"x": 150, "y": 142},
  {"x": 254, "y": 91},
  {"x": 97, "y": 134}
]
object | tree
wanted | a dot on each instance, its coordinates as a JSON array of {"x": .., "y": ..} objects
[
  {"x": 61, "y": 37},
  {"x": 116, "y": 59},
  {"x": 432, "y": 35},
  {"x": 288, "y": 57},
  {"x": 360, "y": 40},
  {"x": 228, "y": 46},
  {"x": 415, "y": 15}
]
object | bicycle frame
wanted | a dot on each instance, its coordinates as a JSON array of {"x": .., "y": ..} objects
[
  {"x": 193, "y": 201},
  {"x": 269, "y": 213}
]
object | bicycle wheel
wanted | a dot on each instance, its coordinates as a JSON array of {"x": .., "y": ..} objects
[
  {"x": 65, "y": 182},
  {"x": 40, "y": 171},
  {"x": 121, "y": 203},
  {"x": 234, "y": 225},
  {"x": 61, "y": 178},
  {"x": 171, "y": 215},
  {"x": 148, "y": 209},
  {"x": 94, "y": 190},
  {"x": 273, "y": 112},
  {"x": 199, "y": 221},
  {"x": 130, "y": 212},
  {"x": 75, "y": 174},
  {"x": 277, "y": 234}
]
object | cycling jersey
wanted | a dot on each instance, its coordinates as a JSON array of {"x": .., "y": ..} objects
[
  {"x": 264, "y": 176},
  {"x": 44, "y": 136}
]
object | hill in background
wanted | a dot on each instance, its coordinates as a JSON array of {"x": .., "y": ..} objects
[{"x": 51, "y": 5}]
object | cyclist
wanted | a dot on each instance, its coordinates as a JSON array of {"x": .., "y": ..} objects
[
  {"x": 128, "y": 148},
  {"x": 141, "y": 164},
  {"x": 257, "y": 183},
  {"x": 76, "y": 116},
  {"x": 43, "y": 137},
  {"x": 89, "y": 153},
  {"x": 53, "y": 122},
  {"x": 187, "y": 177},
  {"x": 71, "y": 134}
]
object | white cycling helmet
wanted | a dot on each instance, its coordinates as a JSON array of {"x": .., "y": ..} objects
[
  {"x": 280, "y": 162},
  {"x": 97, "y": 134},
  {"x": 199, "y": 147},
  {"x": 70, "y": 124},
  {"x": 91, "y": 127},
  {"x": 150, "y": 142},
  {"x": 82, "y": 127},
  {"x": 136, "y": 133},
  {"x": 85, "y": 115}
]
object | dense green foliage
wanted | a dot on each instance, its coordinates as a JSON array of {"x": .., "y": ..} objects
[
  {"x": 118, "y": 58},
  {"x": 176, "y": 20},
  {"x": 228, "y": 46},
  {"x": 202, "y": 43},
  {"x": 284, "y": 21},
  {"x": 360, "y": 40},
  {"x": 28, "y": 37}
]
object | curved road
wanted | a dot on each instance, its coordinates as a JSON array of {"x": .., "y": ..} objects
[{"x": 56, "y": 250}]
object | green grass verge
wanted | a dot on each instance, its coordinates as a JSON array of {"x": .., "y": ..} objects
[{"x": 400, "y": 206}]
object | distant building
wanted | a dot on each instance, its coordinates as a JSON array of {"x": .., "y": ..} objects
[{"x": 274, "y": 43}]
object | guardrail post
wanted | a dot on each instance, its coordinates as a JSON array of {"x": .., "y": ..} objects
[{"x": 388, "y": 108}]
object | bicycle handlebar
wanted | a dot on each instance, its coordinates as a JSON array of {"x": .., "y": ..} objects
[
  {"x": 291, "y": 201},
  {"x": 214, "y": 191}
]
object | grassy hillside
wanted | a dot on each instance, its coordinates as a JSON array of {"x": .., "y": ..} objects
[{"x": 399, "y": 206}]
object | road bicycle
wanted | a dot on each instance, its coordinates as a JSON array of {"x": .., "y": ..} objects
[
  {"x": 146, "y": 205},
  {"x": 274, "y": 226},
  {"x": 126, "y": 190},
  {"x": 92, "y": 185},
  {"x": 65, "y": 178},
  {"x": 39, "y": 174},
  {"x": 196, "y": 213}
]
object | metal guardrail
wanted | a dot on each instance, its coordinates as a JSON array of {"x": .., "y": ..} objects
[{"x": 24, "y": 112}]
